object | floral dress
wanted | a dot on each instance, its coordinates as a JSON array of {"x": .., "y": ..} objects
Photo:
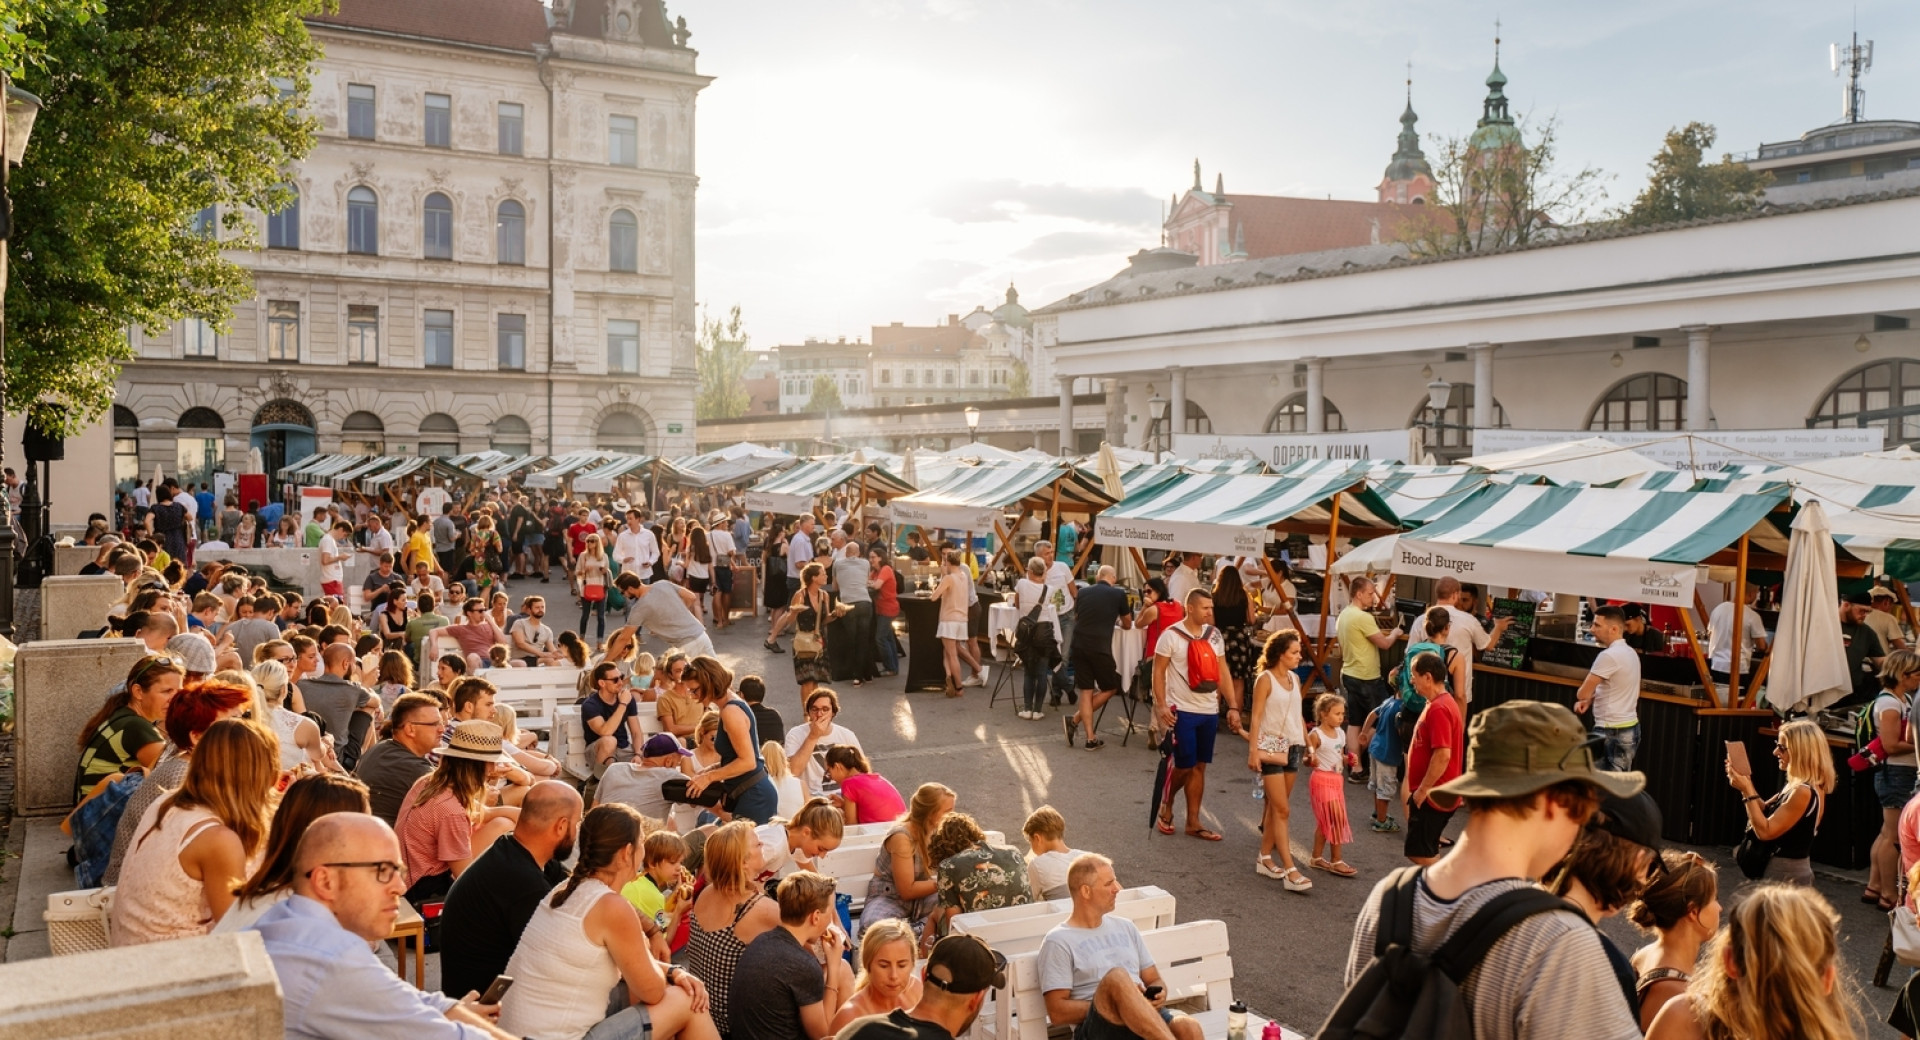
[{"x": 984, "y": 877}]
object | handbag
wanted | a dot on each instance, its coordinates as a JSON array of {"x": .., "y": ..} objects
[
  {"x": 1753, "y": 854},
  {"x": 594, "y": 593},
  {"x": 1906, "y": 935}
]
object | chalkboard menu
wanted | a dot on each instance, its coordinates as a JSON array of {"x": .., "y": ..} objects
[{"x": 1511, "y": 650}]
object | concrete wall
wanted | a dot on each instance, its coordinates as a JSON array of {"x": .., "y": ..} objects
[
  {"x": 72, "y": 604},
  {"x": 57, "y": 686},
  {"x": 215, "y": 987},
  {"x": 69, "y": 559},
  {"x": 82, "y": 483}
]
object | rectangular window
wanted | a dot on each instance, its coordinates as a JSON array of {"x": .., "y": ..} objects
[
  {"x": 886, "y": 376},
  {"x": 513, "y": 341},
  {"x": 204, "y": 222},
  {"x": 437, "y": 346},
  {"x": 973, "y": 377},
  {"x": 363, "y": 335},
  {"x": 197, "y": 339},
  {"x": 623, "y": 347},
  {"x": 946, "y": 377},
  {"x": 512, "y": 118},
  {"x": 283, "y": 330},
  {"x": 283, "y": 228},
  {"x": 283, "y": 87},
  {"x": 439, "y": 121},
  {"x": 623, "y": 141},
  {"x": 907, "y": 377},
  {"x": 360, "y": 111}
]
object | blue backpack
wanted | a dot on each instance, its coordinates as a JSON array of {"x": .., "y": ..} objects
[{"x": 93, "y": 825}]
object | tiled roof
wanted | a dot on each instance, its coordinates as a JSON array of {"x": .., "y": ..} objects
[
  {"x": 1280, "y": 226},
  {"x": 509, "y": 24},
  {"x": 933, "y": 340},
  {"x": 1125, "y": 287}
]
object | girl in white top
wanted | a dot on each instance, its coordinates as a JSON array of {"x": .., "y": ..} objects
[
  {"x": 1327, "y": 743},
  {"x": 797, "y": 844},
  {"x": 299, "y": 737},
  {"x": 1275, "y": 752},
  {"x": 793, "y": 794},
  {"x": 585, "y": 937}
]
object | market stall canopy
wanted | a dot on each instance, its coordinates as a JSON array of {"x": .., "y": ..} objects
[
  {"x": 1421, "y": 494},
  {"x": 977, "y": 451},
  {"x": 600, "y": 478},
  {"x": 1235, "y": 513},
  {"x": 975, "y": 498},
  {"x": 565, "y": 466},
  {"x": 1124, "y": 456},
  {"x": 316, "y": 468},
  {"x": 736, "y": 464},
  {"x": 478, "y": 461},
  {"x": 344, "y": 480},
  {"x": 424, "y": 466},
  {"x": 1641, "y": 546},
  {"x": 1876, "y": 524},
  {"x": 508, "y": 466},
  {"x": 1591, "y": 461},
  {"x": 794, "y": 491},
  {"x": 1683, "y": 480},
  {"x": 1897, "y": 468}
]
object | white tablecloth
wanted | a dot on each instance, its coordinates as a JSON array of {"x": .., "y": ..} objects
[
  {"x": 1001, "y": 617},
  {"x": 1128, "y": 646}
]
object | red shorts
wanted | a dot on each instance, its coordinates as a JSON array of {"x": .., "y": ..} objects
[{"x": 333, "y": 588}]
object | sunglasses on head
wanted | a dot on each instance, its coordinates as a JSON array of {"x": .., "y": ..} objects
[{"x": 151, "y": 663}]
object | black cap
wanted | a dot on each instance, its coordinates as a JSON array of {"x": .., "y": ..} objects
[
  {"x": 1859, "y": 599},
  {"x": 1636, "y": 818},
  {"x": 964, "y": 964},
  {"x": 1633, "y": 610}
]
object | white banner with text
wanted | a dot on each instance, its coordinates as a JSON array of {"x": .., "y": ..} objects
[
  {"x": 1705, "y": 451},
  {"x": 1284, "y": 449}
]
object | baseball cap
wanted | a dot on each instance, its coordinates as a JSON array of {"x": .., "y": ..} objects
[
  {"x": 964, "y": 964},
  {"x": 662, "y": 744},
  {"x": 1636, "y": 819},
  {"x": 1881, "y": 592},
  {"x": 1858, "y": 599},
  {"x": 1520, "y": 747}
]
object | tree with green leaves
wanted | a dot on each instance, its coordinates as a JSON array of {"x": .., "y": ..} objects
[
  {"x": 154, "y": 112},
  {"x": 1681, "y": 185},
  {"x": 1019, "y": 380},
  {"x": 721, "y": 360},
  {"x": 826, "y": 395},
  {"x": 1490, "y": 198}
]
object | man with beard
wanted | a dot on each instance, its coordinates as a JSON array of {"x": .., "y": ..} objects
[
  {"x": 491, "y": 902},
  {"x": 960, "y": 972}
]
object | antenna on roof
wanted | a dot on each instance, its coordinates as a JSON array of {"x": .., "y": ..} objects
[{"x": 1853, "y": 59}]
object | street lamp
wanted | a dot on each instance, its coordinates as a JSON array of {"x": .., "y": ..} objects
[
  {"x": 1438, "y": 392},
  {"x": 973, "y": 422},
  {"x": 22, "y": 109},
  {"x": 1157, "y": 408}
]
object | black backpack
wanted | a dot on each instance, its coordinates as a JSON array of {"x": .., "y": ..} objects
[
  {"x": 1033, "y": 638},
  {"x": 1402, "y": 994}
]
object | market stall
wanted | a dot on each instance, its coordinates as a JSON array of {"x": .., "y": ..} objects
[
  {"x": 1638, "y": 546},
  {"x": 615, "y": 472},
  {"x": 796, "y": 490},
  {"x": 564, "y": 467}
]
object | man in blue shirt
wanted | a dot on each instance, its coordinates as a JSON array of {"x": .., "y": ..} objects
[{"x": 348, "y": 876}]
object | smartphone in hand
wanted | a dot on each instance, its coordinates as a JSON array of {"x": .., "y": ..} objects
[{"x": 498, "y": 989}]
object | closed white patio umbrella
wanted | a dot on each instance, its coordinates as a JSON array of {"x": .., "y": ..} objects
[{"x": 1809, "y": 669}]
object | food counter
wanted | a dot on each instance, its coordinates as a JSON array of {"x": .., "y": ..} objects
[{"x": 926, "y": 668}]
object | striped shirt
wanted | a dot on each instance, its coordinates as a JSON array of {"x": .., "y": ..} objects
[{"x": 1546, "y": 979}]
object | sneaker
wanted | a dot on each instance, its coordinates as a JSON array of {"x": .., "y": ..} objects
[
  {"x": 973, "y": 680},
  {"x": 1067, "y": 721},
  {"x": 1096, "y": 744},
  {"x": 983, "y": 673},
  {"x": 1356, "y": 778},
  {"x": 1386, "y": 826}
]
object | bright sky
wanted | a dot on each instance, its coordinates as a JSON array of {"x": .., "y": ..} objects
[{"x": 870, "y": 161}]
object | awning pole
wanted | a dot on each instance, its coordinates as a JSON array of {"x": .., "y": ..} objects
[
  {"x": 1326, "y": 585},
  {"x": 1053, "y": 518},
  {"x": 1906, "y": 604},
  {"x": 1759, "y": 677},
  {"x": 1738, "y": 633},
  {"x": 1313, "y": 653},
  {"x": 1699, "y": 658}
]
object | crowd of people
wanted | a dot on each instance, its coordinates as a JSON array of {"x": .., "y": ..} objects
[{"x": 277, "y": 765}]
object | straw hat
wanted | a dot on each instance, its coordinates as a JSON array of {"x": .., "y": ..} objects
[
  {"x": 620, "y": 506},
  {"x": 476, "y": 739}
]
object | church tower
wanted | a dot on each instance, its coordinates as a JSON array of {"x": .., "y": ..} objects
[{"x": 1408, "y": 180}]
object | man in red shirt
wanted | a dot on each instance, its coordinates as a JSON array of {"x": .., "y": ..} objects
[
  {"x": 577, "y": 534},
  {"x": 1436, "y": 757}
]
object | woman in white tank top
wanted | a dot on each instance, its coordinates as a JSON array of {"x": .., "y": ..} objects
[
  {"x": 299, "y": 736},
  {"x": 1275, "y": 752},
  {"x": 585, "y": 938}
]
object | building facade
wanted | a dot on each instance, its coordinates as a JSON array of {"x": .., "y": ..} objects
[
  {"x": 847, "y": 366},
  {"x": 492, "y": 248}
]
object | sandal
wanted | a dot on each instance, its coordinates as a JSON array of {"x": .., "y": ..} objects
[
  {"x": 1165, "y": 823},
  {"x": 1266, "y": 867},
  {"x": 1319, "y": 864},
  {"x": 1205, "y": 835},
  {"x": 1304, "y": 883},
  {"x": 1341, "y": 868},
  {"x": 1871, "y": 896}
]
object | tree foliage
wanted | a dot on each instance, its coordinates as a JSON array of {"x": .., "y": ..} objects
[
  {"x": 1019, "y": 380},
  {"x": 1681, "y": 185},
  {"x": 721, "y": 359},
  {"x": 826, "y": 395},
  {"x": 154, "y": 111},
  {"x": 1497, "y": 197}
]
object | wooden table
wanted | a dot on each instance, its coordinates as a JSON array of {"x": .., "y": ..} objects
[{"x": 408, "y": 924}]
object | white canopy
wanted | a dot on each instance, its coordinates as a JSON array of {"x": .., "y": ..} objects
[
  {"x": 1809, "y": 666},
  {"x": 1590, "y": 461}
]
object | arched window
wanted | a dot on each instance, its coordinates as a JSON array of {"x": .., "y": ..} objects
[
  {"x": 623, "y": 242},
  {"x": 622, "y": 431},
  {"x": 1885, "y": 394},
  {"x": 363, "y": 221},
  {"x": 201, "y": 445},
  {"x": 1649, "y": 401},
  {"x": 1449, "y": 433},
  {"x": 510, "y": 232},
  {"x": 1290, "y": 416},
  {"x": 512, "y": 436},
  {"x": 439, "y": 435},
  {"x": 126, "y": 448},
  {"x": 362, "y": 433},
  {"x": 436, "y": 227},
  {"x": 283, "y": 228},
  {"x": 1197, "y": 422}
]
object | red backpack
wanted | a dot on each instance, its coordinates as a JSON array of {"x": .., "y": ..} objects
[{"x": 1203, "y": 665}]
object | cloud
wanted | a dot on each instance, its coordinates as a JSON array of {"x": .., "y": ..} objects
[
  {"x": 980, "y": 201},
  {"x": 1071, "y": 245}
]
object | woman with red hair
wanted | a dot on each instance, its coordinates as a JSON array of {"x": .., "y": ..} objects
[{"x": 190, "y": 713}]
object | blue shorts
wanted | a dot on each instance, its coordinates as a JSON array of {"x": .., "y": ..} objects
[{"x": 1193, "y": 733}]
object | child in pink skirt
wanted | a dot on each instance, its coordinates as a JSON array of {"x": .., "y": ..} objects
[{"x": 1327, "y": 791}]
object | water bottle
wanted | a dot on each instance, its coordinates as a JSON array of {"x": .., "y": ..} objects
[
  {"x": 1271, "y": 1032},
  {"x": 1259, "y": 789},
  {"x": 1237, "y": 1021}
]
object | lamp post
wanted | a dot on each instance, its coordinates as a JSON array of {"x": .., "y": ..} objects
[
  {"x": 1157, "y": 408},
  {"x": 1439, "y": 392},
  {"x": 973, "y": 422},
  {"x": 22, "y": 108}
]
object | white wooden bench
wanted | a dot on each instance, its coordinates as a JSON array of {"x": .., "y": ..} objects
[
  {"x": 534, "y": 693},
  {"x": 569, "y": 742},
  {"x": 851, "y": 865},
  {"x": 1194, "y": 966},
  {"x": 1020, "y": 929}
]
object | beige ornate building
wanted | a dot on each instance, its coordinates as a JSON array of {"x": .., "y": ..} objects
[{"x": 493, "y": 248}]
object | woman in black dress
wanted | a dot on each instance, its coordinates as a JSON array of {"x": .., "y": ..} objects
[
  {"x": 1233, "y": 614},
  {"x": 168, "y": 522},
  {"x": 773, "y": 576}
]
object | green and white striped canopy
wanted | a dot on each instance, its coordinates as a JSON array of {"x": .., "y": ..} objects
[
  {"x": 600, "y": 478},
  {"x": 1234, "y": 514},
  {"x": 1628, "y": 544},
  {"x": 567, "y": 465},
  {"x": 510, "y": 465},
  {"x": 343, "y": 480},
  {"x": 315, "y": 469},
  {"x": 1874, "y": 523},
  {"x": 427, "y": 466},
  {"x": 794, "y": 491},
  {"x": 974, "y": 497}
]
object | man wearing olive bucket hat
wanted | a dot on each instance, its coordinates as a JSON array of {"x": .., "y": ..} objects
[{"x": 1530, "y": 784}]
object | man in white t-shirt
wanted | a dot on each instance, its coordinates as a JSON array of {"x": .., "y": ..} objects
[
  {"x": 379, "y": 539},
  {"x": 1613, "y": 689},
  {"x": 720, "y": 544},
  {"x": 1185, "y": 579},
  {"x": 819, "y": 733},
  {"x": 636, "y": 549},
  {"x": 1883, "y": 620},
  {"x": 1720, "y": 638},
  {"x": 335, "y": 550},
  {"x": 532, "y": 639},
  {"x": 1192, "y": 715},
  {"x": 1465, "y": 634}
]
